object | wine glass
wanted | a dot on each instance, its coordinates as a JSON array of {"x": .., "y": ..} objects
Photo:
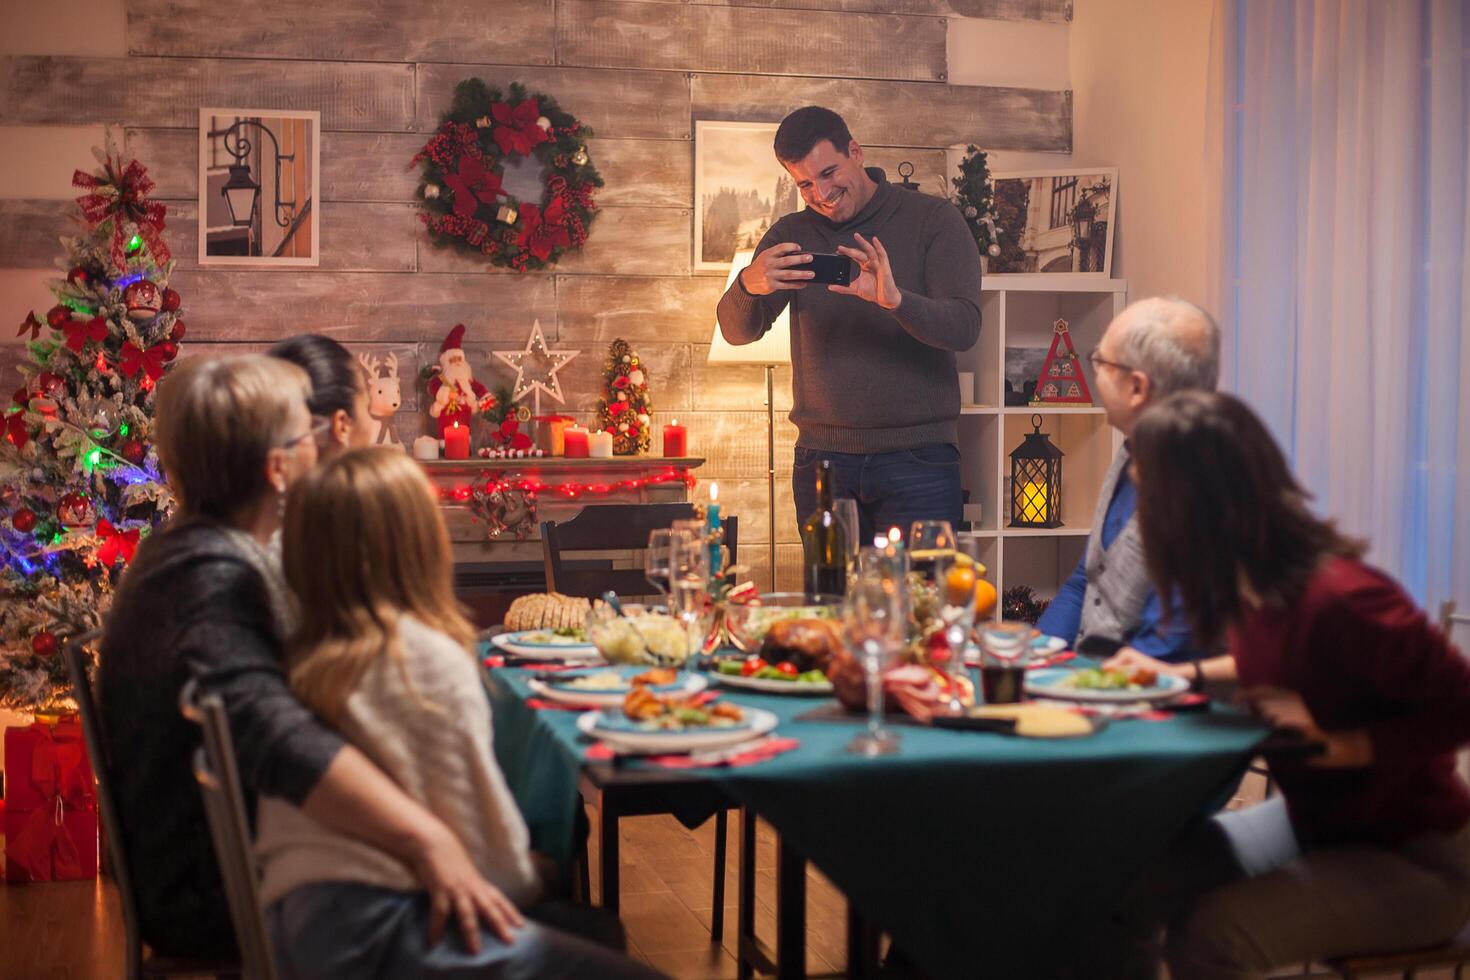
[
  {"x": 688, "y": 581},
  {"x": 931, "y": 548},
  {"x": 657, "y": 558},
  {"x": 846, "y": 510},
  {"x": 876, "y": 625}
]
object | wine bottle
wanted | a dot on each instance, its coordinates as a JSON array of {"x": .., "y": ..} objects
[{"x": 823, "y": 541}]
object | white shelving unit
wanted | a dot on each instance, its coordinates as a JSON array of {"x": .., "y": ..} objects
[{"x": 1019, "y": 311}]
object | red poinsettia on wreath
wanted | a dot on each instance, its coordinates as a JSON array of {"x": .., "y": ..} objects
[{"x": 462, "y": 198}]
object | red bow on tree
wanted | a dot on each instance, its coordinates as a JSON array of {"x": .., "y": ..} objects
[
  {"x": 150, "y": 360},
  {"x": 116, "y": 544},
  {"x": 540, "y": 233},
  {"x": 78, "y": 332},
  {"x": 16, "y": 431},
  {"x": 516, "y": 130},
  {"x": 31, "y": 324},
  {"x": 471, "y": 185},
  {"x": 120, "y": 194}
]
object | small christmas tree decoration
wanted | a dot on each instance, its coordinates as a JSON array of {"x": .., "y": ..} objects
[
  {"x": 974, "y": 195},
  {"x": 624, "y": 408},
  {"x": 1061, "y": 381}
]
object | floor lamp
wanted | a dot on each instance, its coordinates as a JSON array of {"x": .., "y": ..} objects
[{"x": 774, "y": 347}]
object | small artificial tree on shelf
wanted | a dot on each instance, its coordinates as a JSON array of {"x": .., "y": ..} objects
[{"x": 623, "y": 409}]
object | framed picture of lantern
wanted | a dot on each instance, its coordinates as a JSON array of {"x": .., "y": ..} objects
[
  {"x": 1036, "y": 480},
  {"x": 259, "y": 187}
]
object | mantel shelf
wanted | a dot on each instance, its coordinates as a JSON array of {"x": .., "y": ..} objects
[{"x": 448, "y": 467}]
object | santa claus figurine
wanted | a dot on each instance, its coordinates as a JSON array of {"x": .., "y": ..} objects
[{"x": 455, "y": 396}]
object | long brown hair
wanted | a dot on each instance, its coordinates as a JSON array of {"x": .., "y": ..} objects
[
  {"x": 1217, "y": 503},
  {"x": 363, "y": 545}
]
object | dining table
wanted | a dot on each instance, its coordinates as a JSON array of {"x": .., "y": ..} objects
[{"x": 980, "y": 854}]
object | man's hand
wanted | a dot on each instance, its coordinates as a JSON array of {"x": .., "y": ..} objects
[
  {"x": 775, "y": 268},
  {"x": 875, "y": 283},
  {"x": 1286, "y": 709},
  {"x": 455, "y": 887}
]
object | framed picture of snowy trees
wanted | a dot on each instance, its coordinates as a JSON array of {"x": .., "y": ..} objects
[{"x": 739, "y": 190}]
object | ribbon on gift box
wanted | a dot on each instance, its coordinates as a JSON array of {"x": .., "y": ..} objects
[{"x": 58, "y": 782}]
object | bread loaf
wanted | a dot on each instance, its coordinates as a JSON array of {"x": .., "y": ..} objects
[{"x": 547, "y": 611}]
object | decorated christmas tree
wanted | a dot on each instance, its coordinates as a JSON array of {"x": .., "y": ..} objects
[
  {"x": 79, "y": 480},
  {"x": 974, "y": 195},
  {"x": 623, "y": 408}
]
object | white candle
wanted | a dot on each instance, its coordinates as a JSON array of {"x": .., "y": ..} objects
[
  {"x": 426, "y": 447},
  {"x": 600, "y": 445}
]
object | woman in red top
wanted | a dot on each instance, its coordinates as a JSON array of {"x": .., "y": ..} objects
[{"x": 1367, "y": 848}]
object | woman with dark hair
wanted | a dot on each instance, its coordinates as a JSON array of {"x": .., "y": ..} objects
[
  {"x": 339, "y": 394},
  {"x": 1367, "y": 848}
]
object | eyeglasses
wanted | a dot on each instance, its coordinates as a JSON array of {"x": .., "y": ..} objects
[
  {"x": 1097, "y": 361},
  {"x": 318, "y": 429}
]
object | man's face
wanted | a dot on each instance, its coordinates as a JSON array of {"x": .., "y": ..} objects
[
  {"x": 1123, "y": 391},
  {"x": 830, "y": 182}
]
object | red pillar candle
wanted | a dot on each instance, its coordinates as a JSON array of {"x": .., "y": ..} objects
[
  {"x": 457, "y": 442},
  {"x": 574, "y": 442},
  {"x": 676, "y": 440}
]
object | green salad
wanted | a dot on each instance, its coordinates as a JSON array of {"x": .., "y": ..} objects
[{"x": 760, "y": 670}]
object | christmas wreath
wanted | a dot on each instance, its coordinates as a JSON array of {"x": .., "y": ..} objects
[{"x": 460, "y": 195}]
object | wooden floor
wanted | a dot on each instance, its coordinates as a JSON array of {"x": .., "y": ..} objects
[{"x": 74, "y": 931}]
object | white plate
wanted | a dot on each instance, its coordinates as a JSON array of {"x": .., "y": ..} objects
[
  {"x": 758, "y": 723},
  {"x": 690, "y": 684},
  {"x": 1046, "y": 684},
  {"x": 514, "y": 643},
  {"x": 766, "y": 685},
  {"x": 1042, "y": 646}
]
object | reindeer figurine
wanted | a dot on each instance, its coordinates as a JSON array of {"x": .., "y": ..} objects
[{"x": 384, "y": 397}]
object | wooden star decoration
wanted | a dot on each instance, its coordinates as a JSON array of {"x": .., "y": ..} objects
[{"x": 536, "y": 366}]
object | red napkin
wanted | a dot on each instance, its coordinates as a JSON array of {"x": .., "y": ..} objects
[
  {"x": 496, "y": 660},
  {"x": 1053, "y": 660},
  {"x": 767, "y": 748}
]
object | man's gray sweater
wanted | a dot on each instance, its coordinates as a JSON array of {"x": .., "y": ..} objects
[{"x": 866, "y": 379}]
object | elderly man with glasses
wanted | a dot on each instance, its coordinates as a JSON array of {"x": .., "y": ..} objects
[{"x": 1153, "y": 348}]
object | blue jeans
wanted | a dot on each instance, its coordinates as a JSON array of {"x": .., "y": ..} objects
[{"x": 891, "y": 489}]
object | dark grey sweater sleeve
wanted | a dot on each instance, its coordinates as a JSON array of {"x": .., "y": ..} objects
[
  {"x": 744, "y": 318},
  {"x": 229, "y": 640},
  {"x": 947, "y": 314}
]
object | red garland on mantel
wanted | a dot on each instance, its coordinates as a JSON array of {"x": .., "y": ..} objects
[{"x": 571, "y": 489}]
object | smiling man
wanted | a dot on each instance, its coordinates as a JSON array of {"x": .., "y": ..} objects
[{"x": 874, "y": 383}]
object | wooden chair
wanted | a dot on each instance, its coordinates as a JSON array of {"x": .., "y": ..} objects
[
  {"x": 625, "y": 527},
  {"x": 142, "y": 963},
  {"x": 224, "y": 807},
  {"x": 1455, "y": 953},
  {"x": 610, "y": 528}
]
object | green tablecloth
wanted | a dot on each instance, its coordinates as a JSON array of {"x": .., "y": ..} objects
[{"x": 980, "y": 854}]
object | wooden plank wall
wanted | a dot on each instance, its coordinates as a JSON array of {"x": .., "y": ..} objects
[{"x": 639, "y": 73}]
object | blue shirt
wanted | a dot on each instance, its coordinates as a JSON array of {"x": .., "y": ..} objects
[{"x": 1166, "y": 641}]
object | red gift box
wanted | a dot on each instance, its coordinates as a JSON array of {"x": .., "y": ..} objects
[{"x": 50, "y": 805}]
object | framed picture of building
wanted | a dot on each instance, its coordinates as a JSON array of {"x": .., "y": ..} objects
[
  {"x": 259, "y": 187},
  {"x": 1055, "y": 221},
  {"x": 739, "y": 190}
]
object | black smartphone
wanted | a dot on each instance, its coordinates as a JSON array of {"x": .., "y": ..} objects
[{"x": 833, "y": 269}]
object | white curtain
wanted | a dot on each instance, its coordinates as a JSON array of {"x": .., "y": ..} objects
[{"x": 1339, "y": 208}]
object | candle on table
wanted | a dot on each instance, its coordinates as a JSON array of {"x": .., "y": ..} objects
[
  {"x": 574, "y": 442},
  {"x": 676, "y": 440},
  {"x": 713, "y": 528},
  {"x": 600, "y": 445},
  {"x": 457, "y": 442},
  {"x": 426, "y": 447}
]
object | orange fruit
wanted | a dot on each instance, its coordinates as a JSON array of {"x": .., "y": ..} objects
[
  {"x": 959, "y": 584},
  {"x": 984, "y": 599}
]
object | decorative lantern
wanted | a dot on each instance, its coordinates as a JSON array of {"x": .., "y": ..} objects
[
  {"x": 1036, "y": 481},
  {"x": 240, "y": 192}
]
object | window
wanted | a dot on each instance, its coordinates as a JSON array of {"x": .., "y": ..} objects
[{"x": 1063, "y": 199}]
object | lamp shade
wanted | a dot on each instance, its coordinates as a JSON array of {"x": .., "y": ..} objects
[{"x": 774, "y": 346}]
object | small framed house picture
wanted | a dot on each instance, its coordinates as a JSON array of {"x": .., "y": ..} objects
[
  {"x": 1055, "y": 221},
  {"x": 259, "y": 187}
]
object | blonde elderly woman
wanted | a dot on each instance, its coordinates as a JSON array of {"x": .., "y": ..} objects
[{"x": 204, "y": 599}]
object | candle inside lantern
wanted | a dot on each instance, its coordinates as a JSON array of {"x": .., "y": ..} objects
[
  {"x": 600, "y": 445},
  {"x": 676, "y": 440},
  {"x": 457, "y": 442},
  {"x": 426, "y": 447},
  {"x": 712, "y": 516},
  {"x": 574, "y": 442},
  {"x": 1035, "y": 502}
]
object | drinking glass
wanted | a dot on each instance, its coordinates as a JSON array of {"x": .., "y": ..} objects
[
  {"x": 657, "y": 558},
  {"x": 688, "y": 581},
  {"x": 931, "y": 549},
  {"x": 1003, "y": 649},
  {"x": 847, "y": 515},
  {"x": 876, "y": 620}
]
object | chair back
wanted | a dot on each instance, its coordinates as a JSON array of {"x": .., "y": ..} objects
[
  {"x": 611, "y": 527},
  {"x": 224, "y": 806},
  {"x": 75, "y": 653}
]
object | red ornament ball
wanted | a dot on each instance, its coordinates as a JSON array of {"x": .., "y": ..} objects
[
  {"x": 57, "y": 315},
  {"x": 133, "y": 451},
  {"x": 23, "y": 520},
  {"x": 171, "y": 300},
  {"x": 74, "y": 509},
  {"x": 47, "y": 383},
  {"x": 170, "y": 350},
  {"x": 44, "y": 643},
  {"x": 79, "y": 276},
  {"x": 177, "y": 333},
  {"x": 143, "y": 300}
]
